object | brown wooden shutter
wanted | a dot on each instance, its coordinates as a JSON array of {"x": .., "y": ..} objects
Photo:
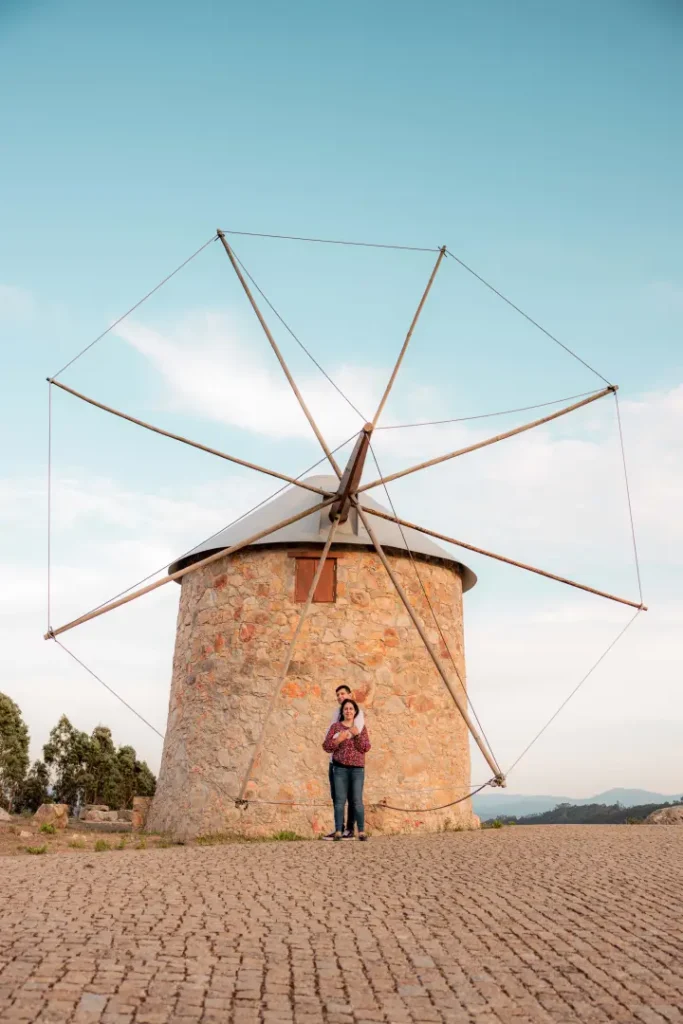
[{"x": 326, "y": 591}]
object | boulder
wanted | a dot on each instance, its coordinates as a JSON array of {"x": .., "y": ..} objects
[
  {"x": 141, "y": 805},
  {"x": 52, "y": 814},
  {"x": 95, "y": 814},
  {"x": 4, "y": 816},
  {"x": 96, "y": 807},
  {"x": 666, "y": 816},
  {"x": 110, "y": 815},
  {"x": 125, "y": 815}
]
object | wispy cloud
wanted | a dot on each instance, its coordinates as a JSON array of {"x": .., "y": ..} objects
[{"x": 17, "y": 306}]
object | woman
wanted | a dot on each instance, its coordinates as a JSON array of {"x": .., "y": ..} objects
[{"x": 348, "y": 746}]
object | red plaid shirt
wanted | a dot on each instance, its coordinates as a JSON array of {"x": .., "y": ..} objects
[{"x": 349, "y": 752}]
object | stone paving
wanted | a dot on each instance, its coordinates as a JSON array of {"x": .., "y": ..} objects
[{"x": 554, "y": 924}]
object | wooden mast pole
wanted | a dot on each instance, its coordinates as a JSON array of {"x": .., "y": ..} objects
[
  {"x": 462, "y": 708},
  {"x": 491, "y": 440},
  {"x": 186, "y": 440},
  {"x": 502, "y": 558},
  {"x": 276, "y": 350},
  {"x": 442, "y": 253},
  {"x": 288, "y": 660},
  {"x": 188, "y": 568}
]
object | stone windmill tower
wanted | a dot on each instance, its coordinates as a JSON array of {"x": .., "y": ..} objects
[
  {"x": 321, "y": 586},
  {"x": 235, "y": 622}
]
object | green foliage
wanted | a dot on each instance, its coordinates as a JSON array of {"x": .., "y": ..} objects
[
  {"x": 49, "y": 830},
  {"x": 13, "y": 752},
  {"x": 287, "y": 837},
  {"x": 121, "y": 845},
  {"x": 67, "y": 754},
  {"x": 90, "y": 770},
  {"x": 101, "y": 845},
  {"x": 141, "y": 844},
  {"x": 37, "y": 850},
  {"x": 588, "y": 814},
  {"x": 496, "y": 823},
  {"x": 34, "y": 789},
  {"x": 77, "y": 844}
]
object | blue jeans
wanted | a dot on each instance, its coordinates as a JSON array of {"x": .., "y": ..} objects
[
  {"x": 348, "y": 781},
  {"x": 350, "y": 820}
]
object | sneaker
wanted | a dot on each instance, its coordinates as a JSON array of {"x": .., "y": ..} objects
[
  {"x": 330, "y": 835},
  {"x": 337, "y": 836},
  {"x": 347, "y": 835},
  {"x": 363, "y": 837}
]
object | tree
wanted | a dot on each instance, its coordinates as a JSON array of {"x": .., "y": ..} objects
[
  {"x": 90, "y": 770},
  {"x": 68, "y": 755},
  {"x": 35, "y": 789},
  {"x": 13, "y": 751}
]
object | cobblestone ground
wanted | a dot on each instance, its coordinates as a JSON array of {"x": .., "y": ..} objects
[{"x": 561, "y": 924}]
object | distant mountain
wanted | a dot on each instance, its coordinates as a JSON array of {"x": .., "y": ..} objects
[{"x": 493, "y": 804}]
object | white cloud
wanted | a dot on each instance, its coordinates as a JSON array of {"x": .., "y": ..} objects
[{"x": 17, "y": 305}]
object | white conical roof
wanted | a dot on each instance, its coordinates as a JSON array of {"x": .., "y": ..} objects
[{"x": 312, "y": 530}]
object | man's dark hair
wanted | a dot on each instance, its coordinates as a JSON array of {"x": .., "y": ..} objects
[
  {"x": 343, "y": 687},
  {"x": 343, "y": 705}
]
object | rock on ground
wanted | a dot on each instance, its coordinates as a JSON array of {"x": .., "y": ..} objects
[
  {"x": 4, "y": 816},
  {"x": 52, "y": 814},
  {"x": 666, "y": 816}
]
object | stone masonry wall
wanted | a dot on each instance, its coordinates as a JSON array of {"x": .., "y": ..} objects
[{"x": 235, "y": 620}]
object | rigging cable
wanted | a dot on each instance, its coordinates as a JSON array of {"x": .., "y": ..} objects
[
  {"x": 118, "y": 696},
  {"x": 488, "y": 415},
  {"x": 334, "y": 241},
  {"x": 628, "y": 498},
  {"x": 525, "y": 315},
  {"x": 133, "y": 308},
  {"x": 576, "y": 689},
  {"x": 296, "y": 339}
]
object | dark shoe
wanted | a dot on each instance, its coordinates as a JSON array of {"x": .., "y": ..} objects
[
  {"x": 330, "y": 835},
  {"x": 337, "y": 837},
  {"x": 347, "y": 835},
  {"x": 362, "y": 838}
]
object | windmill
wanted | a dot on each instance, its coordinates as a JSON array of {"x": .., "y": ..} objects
[{"x": 325, "y": 515}]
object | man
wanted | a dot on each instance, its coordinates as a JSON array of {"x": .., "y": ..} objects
[{"x": 342, "y": 692}]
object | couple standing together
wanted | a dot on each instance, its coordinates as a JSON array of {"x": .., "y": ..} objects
[{"x": 347, "y": 743}]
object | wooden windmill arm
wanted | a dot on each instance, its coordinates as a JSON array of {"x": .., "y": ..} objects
[
  {"x": 188, "y": 568},
  {"x": 502, "y": 558},
  {"x": 276, "y": 350},
  {"x": 442, "y": 253},
  {"x": 490, "y": 440},
  {"x": 462, "y": 708},
  {"x": 186, "y": 440},
  {"x": 288, "y": 660}
]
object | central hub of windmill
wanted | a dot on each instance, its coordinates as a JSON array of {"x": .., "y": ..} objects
[{"x": 350, "y": 479}]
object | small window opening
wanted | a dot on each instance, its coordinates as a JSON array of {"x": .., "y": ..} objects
[{"x": 326, "y": 591}]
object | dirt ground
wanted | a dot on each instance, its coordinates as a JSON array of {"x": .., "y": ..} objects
[{"x": 545, "y": 925}]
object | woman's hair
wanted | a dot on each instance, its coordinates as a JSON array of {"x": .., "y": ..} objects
[{"x": 343, "y": 705}]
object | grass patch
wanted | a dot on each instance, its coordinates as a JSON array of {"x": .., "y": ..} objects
[
  {"x": 101, "y": 845},
  {"x": 496, "y": 823},
  {"x": 287, "y": 837},
  {"x": 49, "y": 830},
  {"x": 77, "y": 844},
  {"x": 141, "y": 844},
  {"x": 121, "y": 845},
  {"x": 37, "y": 850}
]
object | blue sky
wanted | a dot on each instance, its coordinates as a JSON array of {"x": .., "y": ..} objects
[{"x": 541, "y": 142}]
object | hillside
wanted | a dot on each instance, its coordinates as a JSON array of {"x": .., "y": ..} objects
[{"x": 501, "y": 803}]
